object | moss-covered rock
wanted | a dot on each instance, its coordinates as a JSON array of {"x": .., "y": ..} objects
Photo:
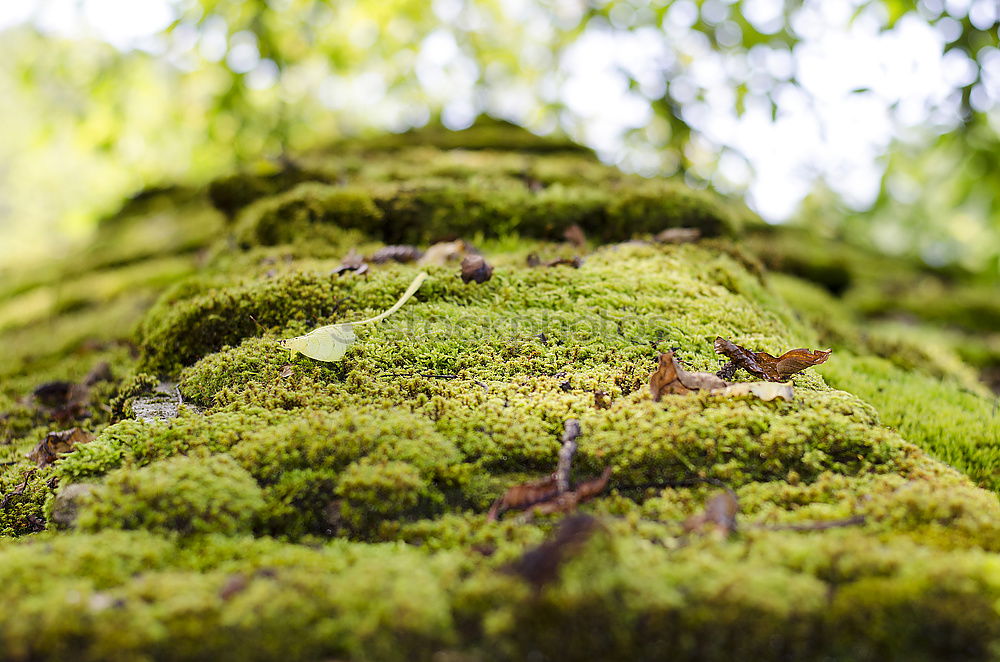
[{"x": 315, "y": 510}]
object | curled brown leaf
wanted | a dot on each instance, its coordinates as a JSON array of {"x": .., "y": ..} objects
[
  {"x": 59, "y": 443},
  {"x": 765, "y": 366},
  {"x": 540, "y": 565},
  {"x": 475, "y": 268},
  {"x": 399, "y": 253}
]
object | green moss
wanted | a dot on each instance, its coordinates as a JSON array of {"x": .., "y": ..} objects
[
  {"x": 184, "y": 494},
  {"x": 337, "y": 511},
  {"x": 959, "y": 427},
  {"x": 22, "y": 499}
]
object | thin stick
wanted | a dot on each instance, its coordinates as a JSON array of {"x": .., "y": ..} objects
[
  {"x": 566, "y": 453},
  {"x": 857, "y": 520}
]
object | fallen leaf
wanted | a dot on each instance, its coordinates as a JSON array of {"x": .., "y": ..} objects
[
  {"x": 765, "y": 391},
  {"x": 475, "y": 268},
  {"x": 553, "y": 493},
  {"x": 287, "y": 370},
  {"x": 764, "y": 366},
  {"x": 353, "y": 261},
  {"x": 540, "y": 565},
  {"x": 574, "y": 234},
  {"x": 400, "y": 253},
  {"x": 330, "y": 342},
  {"x": 670, "y": 378},
  {"x": 523, "y": 496},
  {"x": 677, "y": 236},
  {"x": 575, "y": 262},
  {"x": 58, "y": 443},
  {"x": 719, "y": 514}
]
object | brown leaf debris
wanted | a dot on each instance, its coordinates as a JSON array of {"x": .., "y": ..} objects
[
  {"x": 670, "y": 378},
  {"x": 353, "y": 261},
  {"x": 399, "y": 253},
  {"x": 475, "y": 268},
  {"x": 764, "y": 366},
  {"x": 540, "y": 565},
  {"x": 58, "y": 443},
  {"x": 552, "y": 494}
]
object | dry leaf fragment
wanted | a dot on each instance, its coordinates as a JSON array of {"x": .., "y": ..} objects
[
  {"x": 58, "y": 443},
  {"x": 287, "y": 370},
  {"x": 669, "y": 377},
  {"x": 400, "y": 253},
  {"x": 764, "y": 366},
  {"x": 353, "y": 261},
  {"x": 524, "y": 496},
  {"x": 553, "y": 493},
  {"x": 574, "y": 234},
  {"x": 475, "y": 268},
  {"x": 541, "y": 565},
  {"x": 575, "y": 262},
  {"x": 719, "y": 514},
  {"x": 677, "y": 236}
]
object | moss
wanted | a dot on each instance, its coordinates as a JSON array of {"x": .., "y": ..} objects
[
  {"x": 24, "y": 492},
  {"x": 311, "y": 212},
  {"x": 337, "y": 511},
  {"x": 232, "y": 193},
  {"x": 184, "y": 494}
]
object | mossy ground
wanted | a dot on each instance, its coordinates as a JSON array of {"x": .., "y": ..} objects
[{"x": 308, "y": 511}]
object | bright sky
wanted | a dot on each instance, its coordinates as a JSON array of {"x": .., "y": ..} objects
[{"x": 829, "y": 130}]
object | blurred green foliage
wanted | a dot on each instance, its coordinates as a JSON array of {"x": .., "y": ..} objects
[{"x": 230, "y": 81}]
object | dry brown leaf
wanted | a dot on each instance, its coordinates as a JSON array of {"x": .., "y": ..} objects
[
  {"x": 353, "y": 261},
  {"x": 575, "y": 262},
  {"x": 670, "y": 378},
  {"x": 540, "y": 566},
  {"x": 58, "y": 443},
  {"x": 764, "y": 366},
  {"x": 523, "y": 496},
  {"x": 574, "y": 234},
  {"x": 402, "y": 254},
  {"x": 475, "y": 268},
  {"x": 719, "y": 514}
]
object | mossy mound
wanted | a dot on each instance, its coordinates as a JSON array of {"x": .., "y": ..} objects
[{"x": 307, "y": 510}]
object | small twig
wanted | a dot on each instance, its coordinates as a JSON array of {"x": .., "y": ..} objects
[
  {"x": 857, "y": 520},
  {"x": 566, "y": 453}
]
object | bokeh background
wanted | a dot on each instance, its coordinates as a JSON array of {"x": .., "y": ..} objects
[{"x": 875, "y": 121}]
